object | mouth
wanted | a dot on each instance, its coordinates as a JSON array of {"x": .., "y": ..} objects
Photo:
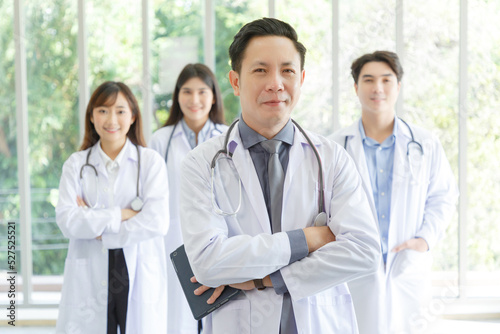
[
  {"x": 111, "y": 130},
  {"x": 273, "y": 102}
]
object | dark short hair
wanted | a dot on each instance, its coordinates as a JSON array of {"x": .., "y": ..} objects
[
  {"x": 388, "y": 57},
  {"x": 262, "y": 27},
  {"x": 106, "y": 95},
  {"x": 201, "y": 71}
]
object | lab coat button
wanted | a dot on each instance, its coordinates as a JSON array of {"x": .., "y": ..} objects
[
  {"x": 382, "y": 194},
  {"x": 104, "y": 283}
]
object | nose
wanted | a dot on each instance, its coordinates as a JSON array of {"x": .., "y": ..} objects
[
  {"x": 275, "y": 83},
  {"x": 378, "y": 87}
]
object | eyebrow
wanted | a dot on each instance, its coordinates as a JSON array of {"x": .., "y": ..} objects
[
  {"x": 262, "y": 63},
  {"x": 372, "y": 76}
]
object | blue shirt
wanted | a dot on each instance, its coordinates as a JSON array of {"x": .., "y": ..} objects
[
  {"x": 380, "y": 162},
  {"x": 203, "y": 135}
]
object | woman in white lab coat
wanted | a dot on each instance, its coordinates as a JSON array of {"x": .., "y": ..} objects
[
  {"x": 237, "y": 248},
  {"x": 196, "y": 115},
  {"x": 113, "y": 207},
  {"x": 423, "y": 198}
]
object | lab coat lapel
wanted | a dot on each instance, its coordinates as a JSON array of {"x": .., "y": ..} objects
[
  {"x": 96, "y": 161},
  {"x": 357, "y": 152},
  {"x": 251, "y": 185}
]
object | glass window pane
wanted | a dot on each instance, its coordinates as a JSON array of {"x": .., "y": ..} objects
[
  {"x": 177, "y": 40},
  {"x": 430, "y": 88},
  {"x": 9, "y": 197},
  {"x": 483, "y": 125},
  {"x": 52, "y": 74},
  {"x": 314, "y": 110},
  {"x": 364, "y": 26},
  {"x": 230, "y": 16},
  {"x": 115, "y": 43}
]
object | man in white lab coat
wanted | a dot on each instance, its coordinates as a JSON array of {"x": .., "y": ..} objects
[
  {"x": 293, "y": 275},
  {"x": 412, "y": 194}
]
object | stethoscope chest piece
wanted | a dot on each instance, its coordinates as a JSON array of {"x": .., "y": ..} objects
[
  {"x": 320, "y": 219},
  {"x": 136, "y": 204}
]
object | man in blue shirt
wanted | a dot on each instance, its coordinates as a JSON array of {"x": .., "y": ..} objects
[{"x": 412, "y": 194}]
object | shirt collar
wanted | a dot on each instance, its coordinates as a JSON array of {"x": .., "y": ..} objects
[
  {"x": 112, "y": 166},
  {"x": 202, "y": 135},
  {"x": 388, "y": 142},
  {"x": 249, "y": 137}
]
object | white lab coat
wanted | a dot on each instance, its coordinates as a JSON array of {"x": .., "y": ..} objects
[
  {"x": 232, "y": 249},
  {"x": 389, "y": 300},
  {"x": 180, "y": 317},
  {"x": 83, "y": 306}
]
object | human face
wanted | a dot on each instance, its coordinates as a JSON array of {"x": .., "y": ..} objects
[
  {"x": 269, "y": 83},
  {"x": 377, "y": 88},
  {"x": 112, "y": 123},
  {"x": 196, "y": 100}
]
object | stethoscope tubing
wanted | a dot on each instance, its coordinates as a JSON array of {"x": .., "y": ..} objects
[
  {"x": 321, "y": 200},
  {"x": 88, "y": 164}
]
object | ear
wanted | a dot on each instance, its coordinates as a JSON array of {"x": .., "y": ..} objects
[
  {"x": 133, "y": 120},
  {"x": 302, "y": 77},
  {"x": 399, "y": 86},
  {"x": 234, "y": 79},
  {"x": 356, "y": 88},
  {"x": 92, "y": 117}
]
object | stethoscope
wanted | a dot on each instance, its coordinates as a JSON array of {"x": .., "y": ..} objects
[
  {"x": 416, "y": 144},
  {"x": 172, "y": 134},
  {"x": 136, "y": 204},
  {"x": 321, "y": 218}
]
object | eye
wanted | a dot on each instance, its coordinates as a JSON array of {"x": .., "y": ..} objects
[
  {"x": 259, "y": 70},
  {"x": 101, "y": 111},
  {"x": 289, "y": 71}
]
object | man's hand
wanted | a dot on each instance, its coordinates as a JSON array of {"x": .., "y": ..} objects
[
  {"x": 418, "y": 244},
  {"x": 201, "y": 290},
  {"x": 128, "y": 213},
  {"x": 317, "y": 237}
]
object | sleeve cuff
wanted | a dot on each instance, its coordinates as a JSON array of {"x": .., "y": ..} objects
[
  {"x": 278, "y": 283},
  {"x": 115, "y": 222},
  {"x": 298, "y": 245}
]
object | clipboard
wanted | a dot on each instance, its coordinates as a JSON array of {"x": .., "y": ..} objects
[{"x": 198, "y": 304}]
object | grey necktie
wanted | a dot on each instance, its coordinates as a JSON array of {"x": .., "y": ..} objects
[{"x": 276, "y": 180}]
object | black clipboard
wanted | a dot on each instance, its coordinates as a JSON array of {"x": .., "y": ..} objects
[{"x": 198, "y": 304}]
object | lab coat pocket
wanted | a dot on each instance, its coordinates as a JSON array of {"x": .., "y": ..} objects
[
  {"x": 149, "y": 282},
  {"x": 77, "y": 282},
  {"x": 232, "y": 318},
  {"x": 409, "y": 262},
  {"x": 331, "y": 311}
]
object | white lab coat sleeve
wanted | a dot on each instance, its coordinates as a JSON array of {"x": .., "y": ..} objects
[
  {"x": 442, "y": 195},
  {"x": 77, "y": 222},
  {"x": 216, "y": 253},
  {"x": 356, "y": 251},
  {"x": 152, "y": 221}
]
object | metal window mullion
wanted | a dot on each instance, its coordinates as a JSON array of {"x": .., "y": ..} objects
[
  {"x": 462, "y": 150},
  {"x": 22, "y": 151},
  {"x": 147, "y": 96},
  {"x": 335, "y": 64},
  {"x": 209, "y": 33},
  {"x": 83, "y": 67},
  {"x": 271, "y": 4},
  {"x": 400, "y": 50}
]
